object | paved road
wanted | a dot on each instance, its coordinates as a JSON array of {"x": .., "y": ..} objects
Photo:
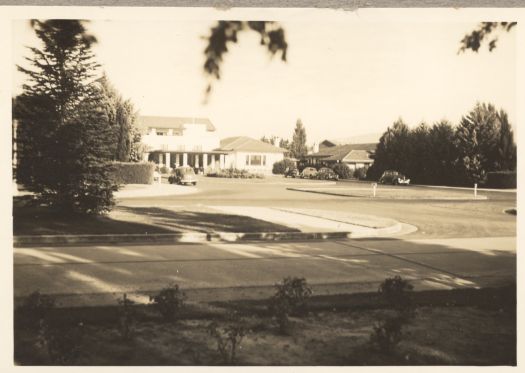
[
  {"x": 100, "y": 274},
  {"x": 458, "y": 243},
  {"x": 433, "y": 218}
]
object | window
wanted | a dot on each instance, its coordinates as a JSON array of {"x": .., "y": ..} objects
[
  {"x": 256, "y": 160},
  {"x": 162, "y": 133}
]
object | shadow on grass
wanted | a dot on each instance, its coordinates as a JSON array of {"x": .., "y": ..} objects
[
  {"x": 32, "y": 219},
  {"x": 205, "y": 221}
]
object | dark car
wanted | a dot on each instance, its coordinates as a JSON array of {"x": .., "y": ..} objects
[
  {"x": 291, "y": 172},
  {"x": 394, "y": 178},
  {"x": 326, "y": 173},
  {"x": 183, "y": 175}
]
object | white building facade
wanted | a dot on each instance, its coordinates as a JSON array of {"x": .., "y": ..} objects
[{"x": 177, "y": 141}]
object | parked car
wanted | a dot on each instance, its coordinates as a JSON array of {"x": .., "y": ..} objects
[
  {"x": 183, "y": 175},
  {"x": 326, "y": 173},
  {"x": 291, "y": 172},
  {"x": 309, "y": 173},
  {"x": 394, "y": 178}
]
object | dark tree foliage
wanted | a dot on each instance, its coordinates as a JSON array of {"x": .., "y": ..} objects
[
  {"x": 484, "y": 32},
  {"x": 298, "y": 146},
  {"x": 443, "y": 155},
  {"x": 63, "y": 136},
  {"x": 269, "y": 140},
  {"x": 225, "y": 32},
  {"x": 121, "y": 118},
  {"x": 284, "y": 144}
]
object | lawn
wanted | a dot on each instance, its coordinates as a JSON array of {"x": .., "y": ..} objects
[
  {"x": 458, "y": 327},
  {"x": 32, "y": 219}
]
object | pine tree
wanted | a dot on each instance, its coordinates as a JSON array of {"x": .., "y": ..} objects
[
  {"x": 298, "y": 145},
  {"x": 63, "y": 133}
]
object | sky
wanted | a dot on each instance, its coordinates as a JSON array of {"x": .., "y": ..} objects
[{"x": 342, "y": 79}]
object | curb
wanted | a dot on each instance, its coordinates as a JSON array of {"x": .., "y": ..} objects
[
  {"x": 194, "y": 237},
  {"x": 478, "y": 198}
]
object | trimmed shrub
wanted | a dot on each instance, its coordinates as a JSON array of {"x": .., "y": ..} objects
[
  {"x": 360, "y": 173},
  {"x": 280, "y": 167},
  {"x": 233, "y": 173},
  {"x": 132, "y": 173},
  {"x": 164, "y": 170},
  {"x": 501, "y": 179},
  {"x": 291, "y": 298},
  {"x": 343, "y": 171}
]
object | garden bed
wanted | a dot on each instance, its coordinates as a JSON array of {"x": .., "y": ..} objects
[{"x": 460, "y": 327}]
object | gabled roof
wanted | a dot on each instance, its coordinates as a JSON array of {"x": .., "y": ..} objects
[
  {"x": 172, "y": 122},
  {"x": 247, "y": 144},
  {"x": 341, "y": 151}
]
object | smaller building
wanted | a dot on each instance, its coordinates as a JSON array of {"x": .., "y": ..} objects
[
  {"x": 354, "y": 155},
  {"x": 246, "y": 153}
]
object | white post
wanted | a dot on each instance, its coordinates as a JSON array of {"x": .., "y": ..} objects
[
  {"x": 204, "y": 161},
  {"x": 374, "y": 187},
  {"x": 185, "y": 159},
  {"x": 145, "y": 156},
  {"x": 168, "y": 160},
  {"x": 476, "y": 190},
  {"x": 213, "y": 161},
  {"x": 197, "y": 156},
  {"x": 177, "y": 159}
]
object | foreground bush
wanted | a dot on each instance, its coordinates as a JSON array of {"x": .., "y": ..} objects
[
  {"x": 291, "y": 298},
  {"x": 280, "y": 167},
  {"x": 132, "y": 173},
  {"x": 228, "y": 336},
  {"x": 343, "y": 171},
  {"x": 501, "y": 179},
  {"x": 169, "y": 301},
  {"x": 233, "y": 173}
]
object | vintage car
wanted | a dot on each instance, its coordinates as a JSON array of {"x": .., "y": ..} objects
[
  {"x": 183, "y": 175},
  {"x": 394, "y": 178},
  {"x": 326, "y": 173},
  {"x": 309, "y": 173},
  {"x": 291, "y": 172}
]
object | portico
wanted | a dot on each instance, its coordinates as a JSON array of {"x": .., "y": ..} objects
[{"x": 212, "y": 160}]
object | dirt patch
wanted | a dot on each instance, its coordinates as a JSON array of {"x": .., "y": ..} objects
[{"x": 452, "y": 328}]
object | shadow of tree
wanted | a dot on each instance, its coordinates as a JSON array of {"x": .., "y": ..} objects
[{"x": 205, "y": 221}]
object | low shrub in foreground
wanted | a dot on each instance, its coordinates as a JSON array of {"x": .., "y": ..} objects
[
  {"x": 228, "y": 336},
  {"x": 126, "y": 315},
  {"x": 169, "y": 301},
  {"x": 360, "y": 173},
  {"x": 233, "y": 173},
  {"x": 132, "y": 173},
  {"x": 291, "y": 298}
]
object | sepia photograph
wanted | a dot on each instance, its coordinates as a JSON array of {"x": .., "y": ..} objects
[{"x": 263, "y": 187}]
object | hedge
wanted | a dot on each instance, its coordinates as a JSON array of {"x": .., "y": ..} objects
[
  {"x": 343, "y": 171},
  {"x": 133, "y": 173},
  {"x": 233, "y": 173},
  {"x": 280, "y": 167},
  {"x": 501, "y": 179}
]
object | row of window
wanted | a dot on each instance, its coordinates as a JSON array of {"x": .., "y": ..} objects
[
  {"x": 255, "y": 160},
  {"x": 165, "y": 131}
]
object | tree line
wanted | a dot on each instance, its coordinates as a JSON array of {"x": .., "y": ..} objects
[
  {"x": 443, "y": 154},
  {"x": 297, "y": 147},
  {"x": 71, "y": 122}
]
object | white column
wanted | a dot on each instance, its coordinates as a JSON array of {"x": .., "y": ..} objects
[
  {"x": 197, "y": 160},
  {"x": 185, "y": 159},
  {"x": 177, "y": 159},
  {"x": 221, "y": 161},
  {"x": 145, "y": 156},
  {"x": 213, "y": 162},
  {"x": 160, "y": 159},
  {"x": 168, "y": 159},
  {"x": 204, "y": 160}
]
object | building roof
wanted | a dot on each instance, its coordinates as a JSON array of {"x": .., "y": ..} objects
[
  {"x": 172, "y": 122},
  {"x": 339, "y": 152},
  {"x": 247, "y": 144}
]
